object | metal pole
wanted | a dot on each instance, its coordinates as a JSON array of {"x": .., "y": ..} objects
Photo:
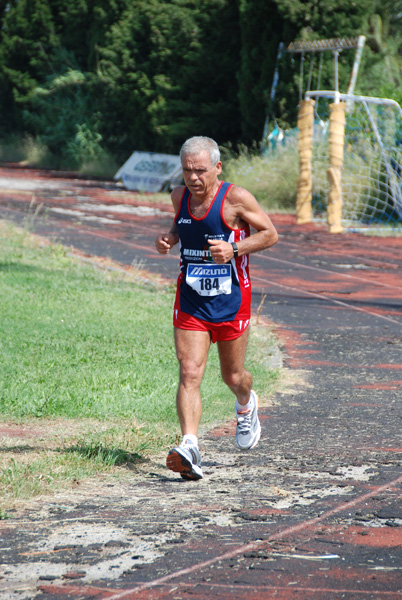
[
  {"x": 336, "y": 77},
  {"x": 275, "y": 82},
  {"x": 356, "y": 63}
]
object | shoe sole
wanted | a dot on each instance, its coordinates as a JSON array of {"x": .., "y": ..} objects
[{"x": 180, "y": 464}]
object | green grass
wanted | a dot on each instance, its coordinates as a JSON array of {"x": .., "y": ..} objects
[
  {"x": 84, "y": 345},
  {"x": 272, "y": 179},
  {"x": 87, "y": 357}
]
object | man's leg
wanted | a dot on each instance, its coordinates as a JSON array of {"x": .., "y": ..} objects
[
  {"x": 232, "y": 354},
  {"x": 192, "y": 353}
]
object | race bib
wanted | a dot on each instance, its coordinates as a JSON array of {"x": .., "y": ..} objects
[{"x": 209, "y": 279}]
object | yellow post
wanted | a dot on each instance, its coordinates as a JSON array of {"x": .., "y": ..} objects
[
  {"x": 305, "y": 124},
  {"x": 334, "y": 172}
]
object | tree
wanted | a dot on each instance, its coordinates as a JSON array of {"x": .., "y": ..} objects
[
  {"x": 27, "y": 40},
  {"x": 87, "y": 75},
  {"x": 170, "y": 71},
  {"x": 262, "y": 29},
  {"x": 49, "y": 58},
  {"x": 382, "y": 63},
  {"x": 136, "y": 73}
]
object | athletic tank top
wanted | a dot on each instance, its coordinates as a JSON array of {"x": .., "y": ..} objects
[{"x": 205, "y": 290}]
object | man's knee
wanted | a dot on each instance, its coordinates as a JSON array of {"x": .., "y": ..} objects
[
  {"x": 232, "y": 378},
  {"x": 191, "y": 371}
]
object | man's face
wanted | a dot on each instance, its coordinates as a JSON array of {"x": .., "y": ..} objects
[{"x": 200, "y": 176}]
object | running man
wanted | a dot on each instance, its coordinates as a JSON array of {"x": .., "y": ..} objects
[{"x": 213, "y": 298}]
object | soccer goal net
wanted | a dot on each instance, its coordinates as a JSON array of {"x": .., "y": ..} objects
[
  {"x": 350, "y": 147},
  {"x": 370, "y": 171}
]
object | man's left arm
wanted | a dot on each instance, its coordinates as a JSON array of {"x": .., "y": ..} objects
[{"x": 243, "y": 208}]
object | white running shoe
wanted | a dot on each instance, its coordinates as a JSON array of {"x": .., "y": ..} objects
[
  {"x": 248, "y": 430},
  {"x": 186, "y": 460}
]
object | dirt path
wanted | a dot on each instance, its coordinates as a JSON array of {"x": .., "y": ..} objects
[{"x": 314, "y": 512}]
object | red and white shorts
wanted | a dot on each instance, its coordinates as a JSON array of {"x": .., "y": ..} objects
[{"x": 220, "y": 332}]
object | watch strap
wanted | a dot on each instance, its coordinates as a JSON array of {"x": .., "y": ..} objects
[{"x": 235, "y": 250}]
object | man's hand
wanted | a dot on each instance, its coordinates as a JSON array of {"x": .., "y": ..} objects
[
  {"x": 221, "y": 252},
  {"x": 165, "y": 242}
]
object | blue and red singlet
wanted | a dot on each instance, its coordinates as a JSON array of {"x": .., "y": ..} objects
[{"x": 205, "y": 290}]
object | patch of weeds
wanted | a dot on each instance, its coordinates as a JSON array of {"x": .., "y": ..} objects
[
  {"x": 21, "y": 480},
  {"x": 99, "y": 453},
  {"x": 272, "y": 178},
  {"x": 34, "y": 210}
]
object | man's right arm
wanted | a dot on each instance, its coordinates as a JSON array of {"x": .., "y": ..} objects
[{"x": 165, "y": 241}]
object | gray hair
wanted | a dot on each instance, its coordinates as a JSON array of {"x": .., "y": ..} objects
[{"x": 200, "y": 143}]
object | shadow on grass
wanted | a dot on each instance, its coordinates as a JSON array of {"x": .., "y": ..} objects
[
  {"x": 98, "y": 452},
  {"x": 19, "y": 267},
  {"x": 18, "y": 449}
]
